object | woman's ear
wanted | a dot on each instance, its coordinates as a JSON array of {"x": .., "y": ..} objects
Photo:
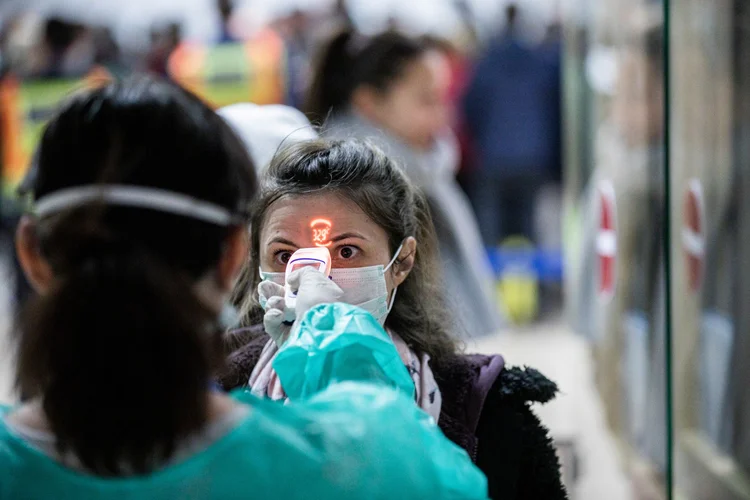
[
  {"x": 34, "y": 265},
  {"x": 405, "y": 261},
  {"x": 235, "y": 253}
]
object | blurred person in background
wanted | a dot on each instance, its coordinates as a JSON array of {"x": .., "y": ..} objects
[
  {"x": 297, "y": 32},
  {"x": 551, "y": 49},
  {"x": 142, "y": 196},
  {"x": 338, "y": 19},
  {"x": 20, "y": 34},
  {"x": 156, "y": 58},
  {"x": 164, "y": 41},
  {"x": 511, "y": 109},
  {"x": 67, "y": 50},
  {"x": 392, "y": 89},
  {"x": 107, "y": 53},
  {"x": 342, "y": 15},
  {"x": 226, "y": 11},
  {"x": 512, "y": 113}
]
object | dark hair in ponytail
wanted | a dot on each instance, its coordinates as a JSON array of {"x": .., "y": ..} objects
[
  {"x": 350, "y": 60},
  {"x": 119, "y": 350}
]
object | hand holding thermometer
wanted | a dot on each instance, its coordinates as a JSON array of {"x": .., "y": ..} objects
[{"x": 318, "y": 258}]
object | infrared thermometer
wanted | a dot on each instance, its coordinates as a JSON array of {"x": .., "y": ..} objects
[{"x": 318, "y": 258}]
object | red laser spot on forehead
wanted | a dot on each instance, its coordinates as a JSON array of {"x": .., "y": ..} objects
[{"x": 321, "y": 231}]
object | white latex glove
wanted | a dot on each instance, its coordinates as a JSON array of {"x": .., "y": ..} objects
[
  {"x": 277, "y": 321},
  {"x": 312, "y": 288}
]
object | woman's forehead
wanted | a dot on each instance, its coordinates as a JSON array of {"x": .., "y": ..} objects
[{"x": 317, "y": 213}]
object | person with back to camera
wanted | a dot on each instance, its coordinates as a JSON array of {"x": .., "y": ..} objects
[
  {"x": 349, "y": 197},
  {"x": 392, "y": 89},
  {"x": 141, "y": 197}
]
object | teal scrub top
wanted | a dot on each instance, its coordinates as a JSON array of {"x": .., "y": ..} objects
[{"x": 352, "y": 439}]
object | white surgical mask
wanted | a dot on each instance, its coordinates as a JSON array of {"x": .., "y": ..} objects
[{"x": 363, "y": 287}]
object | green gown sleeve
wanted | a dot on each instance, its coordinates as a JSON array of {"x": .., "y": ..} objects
[{"x": 347, "y": 385}]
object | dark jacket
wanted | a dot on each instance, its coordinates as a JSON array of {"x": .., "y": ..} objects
[
  {"x": 510, "y": 108},
  {"x": 486, "y": 410}
]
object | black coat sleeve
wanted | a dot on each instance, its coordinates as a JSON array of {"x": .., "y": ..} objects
[{"x": 515, "y": 450}]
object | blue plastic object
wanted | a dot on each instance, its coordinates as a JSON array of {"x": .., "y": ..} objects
[{"x": 546, "y": 265}]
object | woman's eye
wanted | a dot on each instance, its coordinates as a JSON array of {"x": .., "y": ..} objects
[
  {"x": 283, "y": 257},
  {"x": 347, "y": 252}
]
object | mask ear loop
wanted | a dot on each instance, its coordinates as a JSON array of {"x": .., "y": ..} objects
[
  {"x": 395, "y": 289},
  {"x": 393, "y": 299},
  {"x": 395, "y": 257}
]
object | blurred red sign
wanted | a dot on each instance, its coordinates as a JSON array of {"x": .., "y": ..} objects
[
  {"x": 694, "y": 233},
  {"x": 606, "y": 241}
]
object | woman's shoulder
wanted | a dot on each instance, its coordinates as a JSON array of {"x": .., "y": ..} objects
[
  {"x": 490, "y": 376},
  {"x": 480, "y": 390},
  {"x": 524, "y": 384},
  {"x": 473, "y": 385}
]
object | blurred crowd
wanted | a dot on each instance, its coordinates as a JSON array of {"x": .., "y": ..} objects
[{"x": 475, "y": 120}]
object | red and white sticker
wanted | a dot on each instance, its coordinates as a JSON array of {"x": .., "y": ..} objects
[
  {"x": 694, "y": 233},
  {"x": 606, "y": 241}
]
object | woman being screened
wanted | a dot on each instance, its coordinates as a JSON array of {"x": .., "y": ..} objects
[{"x": 351, "y": 198}]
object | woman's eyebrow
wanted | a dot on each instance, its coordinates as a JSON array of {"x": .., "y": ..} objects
[
  {"x": 344, "y": 236},
  {"x": 283, "y": 241}
]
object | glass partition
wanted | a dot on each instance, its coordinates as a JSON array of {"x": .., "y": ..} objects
[
  {"x": 616, "y": 211},
  {"x": 614, "y": 220},
  {"x": 710, "y": 279}
]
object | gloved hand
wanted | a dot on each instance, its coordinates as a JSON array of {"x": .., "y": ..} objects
[
  {"x": 312, "y": 288},
  {"x": 278, "y": 320}
]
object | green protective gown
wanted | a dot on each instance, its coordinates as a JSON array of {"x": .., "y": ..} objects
[{"x": 350, "y": 431}]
